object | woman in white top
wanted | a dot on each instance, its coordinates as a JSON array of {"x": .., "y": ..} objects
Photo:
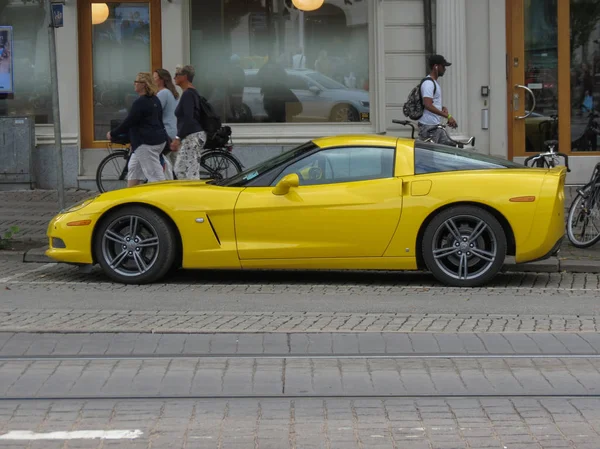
[{"x": 169, "y": 98}]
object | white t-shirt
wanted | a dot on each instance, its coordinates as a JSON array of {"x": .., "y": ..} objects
[
  {"x": 298, "y": 61},
  {"x": 429, "y": 118}
]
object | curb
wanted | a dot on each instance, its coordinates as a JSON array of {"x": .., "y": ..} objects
[{"x": 37, "y": 255}]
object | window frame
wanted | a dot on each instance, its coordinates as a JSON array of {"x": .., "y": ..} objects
[
  {"x": 86, "y": 78},
  {"x": 297, "y": 133}
]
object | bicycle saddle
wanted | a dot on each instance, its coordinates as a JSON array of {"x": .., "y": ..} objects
[{"x": 551, "y": 143}]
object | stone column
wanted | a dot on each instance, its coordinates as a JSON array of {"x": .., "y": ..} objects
[{"x": 451, "y": 42}]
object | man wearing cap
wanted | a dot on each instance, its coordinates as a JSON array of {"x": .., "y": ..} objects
[{"x": 431, "y": 93}]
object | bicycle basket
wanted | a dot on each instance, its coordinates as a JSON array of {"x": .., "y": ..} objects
[{"x": 219, "y": 139}]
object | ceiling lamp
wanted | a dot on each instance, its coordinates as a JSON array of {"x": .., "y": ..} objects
[
  {"x": 308, "y": 5},
  {"x": 100, "y": 13}
]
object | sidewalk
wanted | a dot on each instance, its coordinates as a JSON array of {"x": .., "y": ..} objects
[{"x": 31, "y": 210}]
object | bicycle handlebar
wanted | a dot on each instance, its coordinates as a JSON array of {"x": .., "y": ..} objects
[
  {"x": 406, "y": 123},
  {"x": 547, "y": 154}
]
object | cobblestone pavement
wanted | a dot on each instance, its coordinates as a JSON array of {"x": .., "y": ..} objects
[
  {"x": 49, "y": 275},
  {"x": 302, "y": 377},
  {"x": 48, "y": 320},
  {"x": 273, "y": 345},
  {"x": 58, "y": 298},
  {"x": 519, "y": 423}
]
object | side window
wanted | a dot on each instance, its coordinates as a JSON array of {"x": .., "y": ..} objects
[
  {"x": 348, "y": 164},
  {"x": 297, "y": 82},
  {"x": 432, "y": 158}
]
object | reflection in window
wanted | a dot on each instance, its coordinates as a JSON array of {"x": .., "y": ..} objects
[
  {"x": 342, "y": 165},
  {"x": 266, "y": 61},
  {"x": 585, "y": 75},
  {"x": 33, "y": 95},
  {"x": 541, "y": 72},
  {"x": 121, "y": 49},
  {"x": 434, "y": 158}
]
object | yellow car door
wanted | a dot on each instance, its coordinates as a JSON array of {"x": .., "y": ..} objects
[{"x": 347, "y": 203}]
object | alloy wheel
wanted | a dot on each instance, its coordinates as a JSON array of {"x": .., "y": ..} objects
[
  {"x": 464, "y": 247},
  {"x": 130, "y": 245}
]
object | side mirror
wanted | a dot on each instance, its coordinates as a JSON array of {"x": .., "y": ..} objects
[
  {"x": 286, "y": 183},
  {"x": 315, "y": 90}
]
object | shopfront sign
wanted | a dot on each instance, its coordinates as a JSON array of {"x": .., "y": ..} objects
[{"x": 6, "y": 60}]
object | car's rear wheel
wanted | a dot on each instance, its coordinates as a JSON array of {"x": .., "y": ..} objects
[
  {"x": 135, "y": 245},
  {"x": 464, "y": 246},
  {"x": 344, "y": 113}
]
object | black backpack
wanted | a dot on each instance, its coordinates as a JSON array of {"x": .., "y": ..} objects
[
  {"x": 414, "y": 106},
  {"x": 206, "y": 116}
]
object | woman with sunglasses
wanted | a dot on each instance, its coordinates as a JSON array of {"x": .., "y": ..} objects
[{"x": 147, "y": 134}]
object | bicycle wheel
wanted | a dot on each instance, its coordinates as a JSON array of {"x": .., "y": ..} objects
[
  {"x": 583, "y": 222},
  {"x": 112, "y": 171},
  {"x": 218, "y": 165}
]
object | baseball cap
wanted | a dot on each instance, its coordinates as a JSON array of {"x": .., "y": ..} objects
[{"x": 439, "y": 60}]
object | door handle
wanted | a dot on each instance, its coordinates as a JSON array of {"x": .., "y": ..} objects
[{"x": 516, "y": 101}]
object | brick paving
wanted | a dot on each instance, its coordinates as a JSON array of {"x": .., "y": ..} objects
[
  {"x": 19, "y": 320},
  {"x": 420, "y": 423}
]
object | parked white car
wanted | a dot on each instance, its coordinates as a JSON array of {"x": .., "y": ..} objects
[{"x": 323, "y": 99}]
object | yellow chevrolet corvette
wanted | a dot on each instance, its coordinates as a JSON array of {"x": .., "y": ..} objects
[{"x": 348, "y": 202}]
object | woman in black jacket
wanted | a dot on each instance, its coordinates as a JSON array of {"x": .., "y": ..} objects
[
  {"x": 190, "y": 138},
  {"x": 146, "y": 131}
]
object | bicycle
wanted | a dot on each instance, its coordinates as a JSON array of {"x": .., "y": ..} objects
[
  {"x": 457, "y": 143},
  {"x": 585, "y": 211},
  {"x": 216, "y": 159},
  {"x": 548, "y": 159}
]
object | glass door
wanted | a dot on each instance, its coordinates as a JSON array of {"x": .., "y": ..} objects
[
  {"x": 533, "y": 75},
  {"x": 119, "y": 40}
]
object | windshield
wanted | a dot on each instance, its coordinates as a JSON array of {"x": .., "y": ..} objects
[
  {"x": 325, "y": 81},
  {"x": 245, "y": 177}
]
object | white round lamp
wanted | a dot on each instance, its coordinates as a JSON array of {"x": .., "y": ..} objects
[
  {"x": 100, "y": 13},
  {"x": 308, "y": 5}
]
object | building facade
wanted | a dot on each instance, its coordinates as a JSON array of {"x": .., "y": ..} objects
[{"x": 348, "y": 65}]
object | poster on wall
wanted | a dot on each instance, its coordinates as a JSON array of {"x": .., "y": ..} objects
[{"x": 6, "y": 60}]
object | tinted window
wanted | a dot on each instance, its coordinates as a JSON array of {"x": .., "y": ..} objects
[
  {"x": 343, "y": 165},
  {"x": 432, "y": 158}
]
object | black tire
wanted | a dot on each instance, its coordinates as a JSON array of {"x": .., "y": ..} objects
[
  {"x": 577, "y": 212},
  {"x": 344, "y": 113},
  {"x": 218, "y": 165},
  {"x": 112, "y": 171},
  {"x": 453, "y": 240},
  {"x": 143, "y": 257}
]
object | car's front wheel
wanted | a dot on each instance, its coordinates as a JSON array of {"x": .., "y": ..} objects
[
  {"x": 135, "y": 245},
  {"x": 464, "y": 246}
]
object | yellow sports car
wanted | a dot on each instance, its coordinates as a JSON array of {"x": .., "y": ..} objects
[{"x": 348, "y": 202}]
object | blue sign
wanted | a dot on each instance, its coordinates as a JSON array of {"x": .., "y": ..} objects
[
  {"x": 6, "y": 60},
  {"x": 57, "y": 15}
]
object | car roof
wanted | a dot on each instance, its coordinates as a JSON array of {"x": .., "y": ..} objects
[
  {"x": 289, "y": 71},
  {"x": 359, "y": 139}
]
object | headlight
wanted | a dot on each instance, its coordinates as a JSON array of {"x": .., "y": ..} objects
[
  {"x": 79, "y": 205},
  {"x": 366, "y": 104}
]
